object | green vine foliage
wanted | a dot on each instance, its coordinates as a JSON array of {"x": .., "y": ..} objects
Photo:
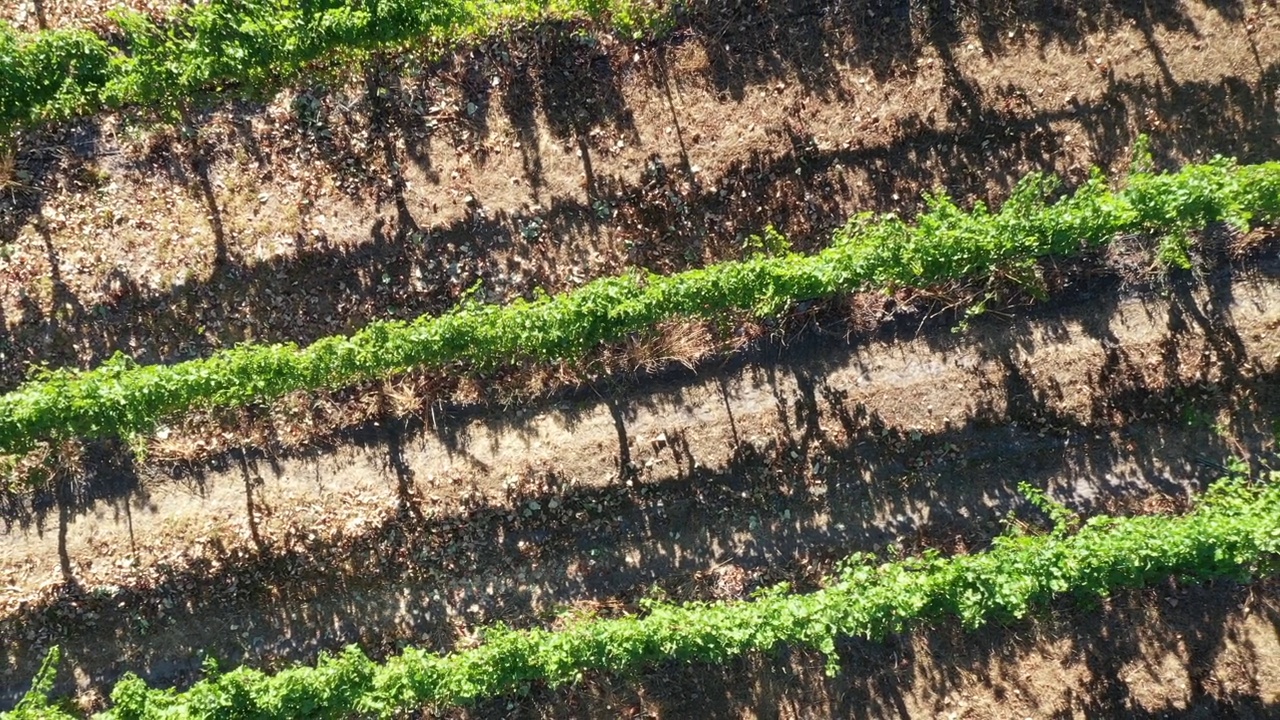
[
  {"x": 208, "y": 47},
  {"x": 35, "y": 705},
  {"x": 121, "y": 398},
  {"x": 50, "y": 75},
  {"x": 1233, "y": 532}
]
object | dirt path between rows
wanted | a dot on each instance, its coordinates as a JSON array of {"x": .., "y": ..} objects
[
  {"x": 705, "y": 484},
  {"x": 548, "y": 159}
]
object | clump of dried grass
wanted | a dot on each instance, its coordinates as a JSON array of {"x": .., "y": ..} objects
[{"x": 9, "y": 179}]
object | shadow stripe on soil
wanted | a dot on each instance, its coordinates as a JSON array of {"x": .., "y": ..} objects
[
  {"x": 1235, "y": 114},
  {"x": 823, "y": 477}
]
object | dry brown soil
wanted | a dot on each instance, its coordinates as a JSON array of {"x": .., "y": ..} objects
[
  {"x": 35, "y": 15},
  {"x": 757, "y": 472},
  {"x": 1174, "y": 653},
  {"x": 331, "y": 206},
  {"x": 549, "y": 160}
]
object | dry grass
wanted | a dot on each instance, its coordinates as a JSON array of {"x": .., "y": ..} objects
[
  {"x": 684, "y": 343},
  {"x": 1241, "y": 246},
  {"x": 10, "y": 175}
]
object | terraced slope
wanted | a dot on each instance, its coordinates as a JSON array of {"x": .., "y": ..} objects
[{"x": 413, "y": 512}]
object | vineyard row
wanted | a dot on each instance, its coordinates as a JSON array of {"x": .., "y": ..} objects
[
  {"x": 946, "y": 243},
  {"x": 251, "y": 44},
  {"x": 1233, "y": 532}
]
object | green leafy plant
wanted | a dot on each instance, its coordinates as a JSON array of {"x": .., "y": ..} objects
[
  {"x": 35, "y": 704},
  {"x": 1233, "y": 532},
  {"x": 210, "y": 47},
  {"x": 768, "y": 242},
  {"x": 946, "y": 243}
]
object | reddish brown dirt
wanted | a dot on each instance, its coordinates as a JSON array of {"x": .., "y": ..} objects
[
  {"x": 328, "y": 207},
  {"x": 332, "y": 206},
  {"x": 740, "y": 477},
  {"x": 34, "y": 15},
  {"x": 1185, "y": 652}
]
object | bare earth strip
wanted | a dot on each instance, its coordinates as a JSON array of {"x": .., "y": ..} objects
[
  {"x": 1110, "y": 402},
  {"x": 547, "y": 161}
]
